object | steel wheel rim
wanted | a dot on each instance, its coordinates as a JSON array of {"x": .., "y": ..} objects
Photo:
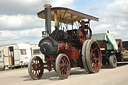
[
  {"x": 95, "y": 56},
  {"x": 64, "y": 66},
  {"x": 36, "y": 68},
  {"x": 114, "y": 60},
  {"x": 92, "y": 57}
]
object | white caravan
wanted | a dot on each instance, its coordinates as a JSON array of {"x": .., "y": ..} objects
[
  {"x": 36, "y": 51},
  {"x": 14, "y": 55}
]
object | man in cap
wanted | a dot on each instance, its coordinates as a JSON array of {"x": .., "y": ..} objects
[{"x": 83, "y": 26}]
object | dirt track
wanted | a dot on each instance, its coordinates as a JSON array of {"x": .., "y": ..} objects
[{"x": 106, "y": 76}]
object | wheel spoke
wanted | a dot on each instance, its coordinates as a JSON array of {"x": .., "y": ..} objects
[
  {"x": 93, "y": 56},
  {"x": 94, "y": 49},
  {"x": 96, "y": 59},
  {"x": 33, "y": 68},
  {"x": 66, "y": 62},
  {"x": 34, "y": 64},
  {"x": 63, "y": 67},
  {"x": 36, "y": 68},
  {"x": 65, "y": 72},
  {"x": 61, "y": 64},
  {"x": 62, "y": 61},
  {"x": 94, "y": 66},
  {"x": 36, "y": 74}
]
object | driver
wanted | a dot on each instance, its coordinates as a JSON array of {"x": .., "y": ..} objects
[{"x": 83, "y": 26}]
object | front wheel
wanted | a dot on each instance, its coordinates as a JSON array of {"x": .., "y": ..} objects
[
  {"x": 35, "y": 68},
  {"x": 62, "y": 66}
]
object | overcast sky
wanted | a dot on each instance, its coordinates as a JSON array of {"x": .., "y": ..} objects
[{"x": 19, "y": 21}]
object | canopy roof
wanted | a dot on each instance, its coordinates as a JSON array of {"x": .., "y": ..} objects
[{"x": 66, "y": 15}]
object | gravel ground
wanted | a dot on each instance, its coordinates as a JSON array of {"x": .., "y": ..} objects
[{"x": 106, "y": 76}]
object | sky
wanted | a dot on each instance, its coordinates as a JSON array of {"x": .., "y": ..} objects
[{"x": 19, "y": 21}]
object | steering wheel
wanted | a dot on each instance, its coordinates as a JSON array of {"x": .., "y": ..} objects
[
  {"x": 89, "y": 33},
  {"x": 82, "y": 35}
]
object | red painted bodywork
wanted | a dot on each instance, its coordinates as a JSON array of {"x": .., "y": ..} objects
[
  {"x": 68, "y": 50},
  {"x": 72, "y": 53}
]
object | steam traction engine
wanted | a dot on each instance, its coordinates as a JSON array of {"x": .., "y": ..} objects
[{"x": 65, "y": 49}]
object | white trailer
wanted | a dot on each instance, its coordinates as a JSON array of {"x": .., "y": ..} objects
[
  {"x": 13, "y": 55},
  {"x": 35, "y": 50}
]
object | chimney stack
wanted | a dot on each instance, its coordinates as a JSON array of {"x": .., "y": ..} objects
[{"x": 48, "y": 18}]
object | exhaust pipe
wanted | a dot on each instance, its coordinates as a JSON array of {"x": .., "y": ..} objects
[{"x": 48, "y": 18}]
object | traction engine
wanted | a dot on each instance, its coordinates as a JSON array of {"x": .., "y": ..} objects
[{"x": 64, "y": 50}]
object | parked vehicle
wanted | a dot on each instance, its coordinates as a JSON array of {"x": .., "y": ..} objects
[
  {"x": 35, "y": 51},
  {"x": 112, "y": 49},
  {"x": 13, "y": 55},
  {"x": 125, "y": 45},
  {"x": 122, "y": 54}
]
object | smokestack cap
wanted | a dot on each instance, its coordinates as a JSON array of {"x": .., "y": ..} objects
[{"x": 47, "y": 6}]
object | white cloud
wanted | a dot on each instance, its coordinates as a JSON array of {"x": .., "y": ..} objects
[
  {"x": 20, "y": 14},
  {"x": 118, "y": 6},
  {"x": 103, "y": 27},
  {"x": 114, "y": 32},
  {"x": 64, "y": 3},
  {"x": 10, "y": 21},
  {"x": 113, "y": 18},
  {"x": 19, "y": 22},
  {"x": 30, "y": 35},
  {"x": 15, "y": 7},
  {"x": 6, "y": 35}
]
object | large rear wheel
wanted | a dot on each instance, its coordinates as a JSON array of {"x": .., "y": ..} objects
[
  {"x": 35, "y": 68},
  {"x": 62, "y": 66},
  {"x": 91, "y": 56}
]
